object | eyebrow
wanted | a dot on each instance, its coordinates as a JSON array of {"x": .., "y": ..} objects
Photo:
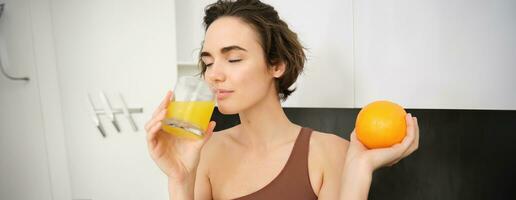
[{"x": 224, "y": 50}]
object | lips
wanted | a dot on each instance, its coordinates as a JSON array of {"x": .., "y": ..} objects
[{"x": 222, "y": 94}]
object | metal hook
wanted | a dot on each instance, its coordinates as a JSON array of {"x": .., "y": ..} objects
[
  {"x": 2, "y": 5},
  {"x": 96, "y": 118},
  {"x": 109, "y": 111}
]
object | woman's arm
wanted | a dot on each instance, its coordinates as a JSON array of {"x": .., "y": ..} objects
[
  {"x": 356, "y": 181},
  {"x": 330, "y": 149},
  {"x": 181, "y": 189},
  {"x": 197, "y": 186},
  {"x": 202, "y": 181}
]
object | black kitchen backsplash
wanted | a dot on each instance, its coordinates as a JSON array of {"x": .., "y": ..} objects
[{"x": 463, "y": 154}]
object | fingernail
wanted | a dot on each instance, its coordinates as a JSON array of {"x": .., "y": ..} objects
[{"x": 410, "y": 115}]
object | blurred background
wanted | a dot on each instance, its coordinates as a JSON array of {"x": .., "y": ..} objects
[{"x": 80, "y": 79}]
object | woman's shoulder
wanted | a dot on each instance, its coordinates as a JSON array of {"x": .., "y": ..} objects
[
  {"x": 324, "y": 145},
  {"x": 328, "y": 149},
  {"x": 328, "y": 141},
  {"x": 320, "y": 140}
]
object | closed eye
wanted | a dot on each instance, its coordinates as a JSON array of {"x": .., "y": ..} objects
[{"x": 235, "y": 60}]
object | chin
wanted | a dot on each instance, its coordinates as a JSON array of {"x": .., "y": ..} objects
[{"x": 227, "y": 109}]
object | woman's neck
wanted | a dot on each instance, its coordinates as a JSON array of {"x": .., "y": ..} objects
[{"x": 265, "y": 125}]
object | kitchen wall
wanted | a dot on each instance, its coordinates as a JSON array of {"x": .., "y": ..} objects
[{"x": 436, "y": 53}]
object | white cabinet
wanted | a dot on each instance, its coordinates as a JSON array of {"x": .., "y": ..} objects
[
  {"x": 119, "y": 47},
  {"x": 189, "y": 29},
  {"x": 189, "y": 34},
  {"x": 436, "y": 53}
]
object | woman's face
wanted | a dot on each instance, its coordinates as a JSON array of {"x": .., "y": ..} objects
[{"x": 236, "y": 65}]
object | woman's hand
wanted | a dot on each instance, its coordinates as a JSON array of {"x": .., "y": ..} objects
[
  {"x": 176, "y": 157},
  {"x": 361, "y": 162},
  {"x": 372, "y": 159}
]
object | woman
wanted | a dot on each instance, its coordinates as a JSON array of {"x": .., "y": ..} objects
[{"x": 250, "y": 58}]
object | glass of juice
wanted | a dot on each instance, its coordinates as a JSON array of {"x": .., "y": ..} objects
[{"x": 189, "y": 112}]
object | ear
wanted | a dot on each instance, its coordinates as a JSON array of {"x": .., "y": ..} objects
[{"x": 278, "y": 69}]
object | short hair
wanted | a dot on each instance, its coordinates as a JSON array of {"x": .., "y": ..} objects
[{"x": 279, "y": 43}]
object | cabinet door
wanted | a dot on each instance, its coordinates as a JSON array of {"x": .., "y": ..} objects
[
  {"x": 436, "y": 53},
  {"x": 24, "y": 167},
  {"x": 119, "y": 47}
]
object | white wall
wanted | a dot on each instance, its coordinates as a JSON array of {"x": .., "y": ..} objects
[
  {"x": 325, "y": 28},
  {"x": 122, "y": 47},
  {"x": 436, "y": 53},
  {"x": 32, "y": 153},
  {"x": 50, "y": 99}
]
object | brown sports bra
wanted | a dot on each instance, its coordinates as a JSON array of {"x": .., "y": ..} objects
[{"x": 293, "y": 182}]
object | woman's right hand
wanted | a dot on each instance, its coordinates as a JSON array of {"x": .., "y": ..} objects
[{"x": 177, "y": 157}]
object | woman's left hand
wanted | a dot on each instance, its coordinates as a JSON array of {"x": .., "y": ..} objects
[{"x": 373, "y": 159}]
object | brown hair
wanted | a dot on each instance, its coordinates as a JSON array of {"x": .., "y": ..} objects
[{"x": 279, "y": 43}]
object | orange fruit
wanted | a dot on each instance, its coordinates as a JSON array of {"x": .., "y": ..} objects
[{"x": 381, "y": 124}]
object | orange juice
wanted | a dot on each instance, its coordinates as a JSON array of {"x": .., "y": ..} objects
[{"x": 188, "y": 119}]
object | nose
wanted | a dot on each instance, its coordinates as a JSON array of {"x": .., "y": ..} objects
[{"x": 215, "y": 74}]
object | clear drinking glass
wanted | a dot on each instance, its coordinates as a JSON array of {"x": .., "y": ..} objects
[{"x": 189, "y": 112}]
